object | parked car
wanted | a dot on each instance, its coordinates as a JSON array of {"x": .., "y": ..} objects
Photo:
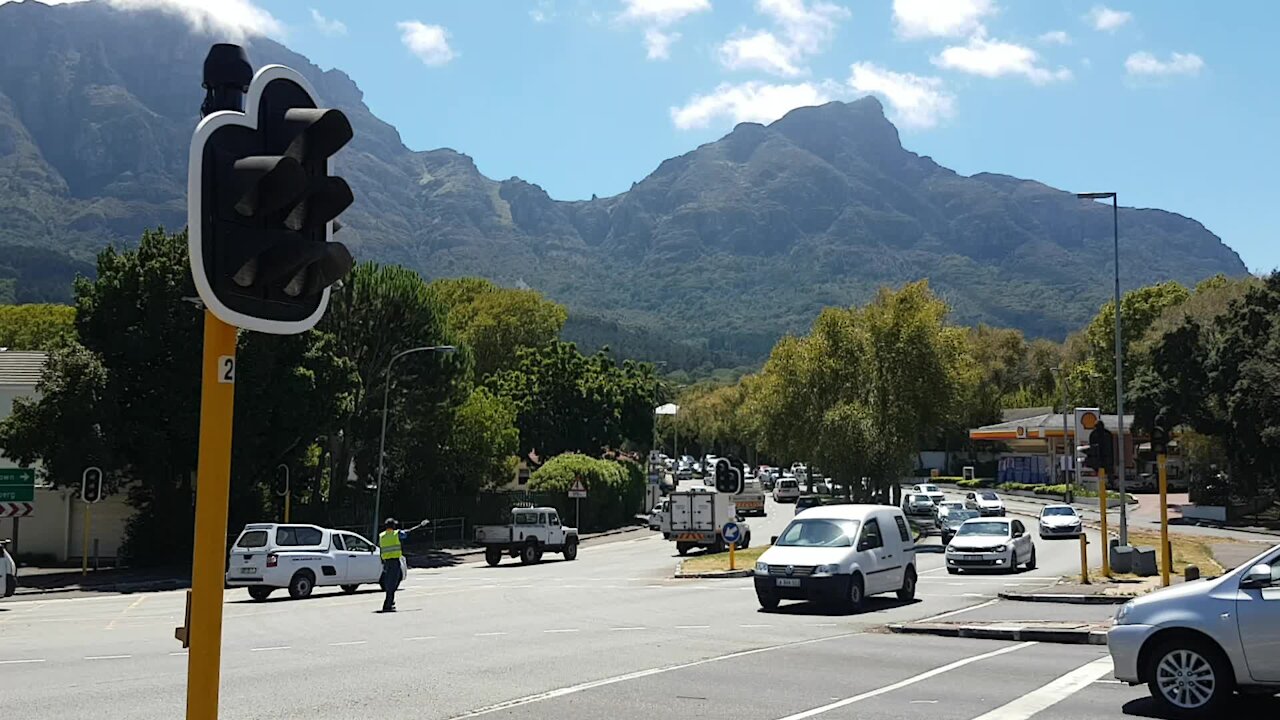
[
  {"x": 839, "y": 553},
  {"x": 8, "y": 571},
  {"x": 935, "y": 494},
  {"x": 990, "y": 544},
  {"x": 918, "y": 504},
  {"x": 1060, "y": 521},
  {"x": 1196, "y": 643},
  {"x": 271, "y": 556},
  {"x": 953, "y": 520},
  {"x": 986, "y": 502},
  {"x": 655, "y": 516},
  {"x": 787, "y": 489},
  {"x": 945, "y": 508}
]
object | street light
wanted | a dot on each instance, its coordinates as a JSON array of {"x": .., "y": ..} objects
[
  {"x": 382, "y": 444},
  {"x": 1067, "y": 447},
  {"x": 1115, "y": 226}
]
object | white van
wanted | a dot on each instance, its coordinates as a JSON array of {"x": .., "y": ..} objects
[
  {"x": 839, "y": 553},
  {"x": 268, "y": 556}
]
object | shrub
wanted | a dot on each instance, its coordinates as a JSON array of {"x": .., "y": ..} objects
[{"x": 614, "y": 491}]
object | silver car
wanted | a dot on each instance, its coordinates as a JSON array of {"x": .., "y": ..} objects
[{"x": 1196, "y": 643}]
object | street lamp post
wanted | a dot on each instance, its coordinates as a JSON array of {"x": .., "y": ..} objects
[
  {"x": 382, "y": 444},
  {"x": 1068, "y": 447},
  {"x": 1115, "y": 229}
]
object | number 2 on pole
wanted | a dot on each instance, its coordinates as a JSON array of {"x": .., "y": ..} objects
[{"x": 226, "y": 369}]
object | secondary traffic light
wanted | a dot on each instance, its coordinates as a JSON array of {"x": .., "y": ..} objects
[
  {"x": 1101, "y": 449},
  {"x": 728, "y": 478},
  {"x": 91, "y": 485},
  {"x": 262, "y": 205},
  {"x": 1160, "y": 435}
]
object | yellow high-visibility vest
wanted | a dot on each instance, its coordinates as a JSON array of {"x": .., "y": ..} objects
[{"x": 389, "y": 545}]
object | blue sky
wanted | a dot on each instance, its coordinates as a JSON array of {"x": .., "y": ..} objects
[{"x": 1171, "y": 103}]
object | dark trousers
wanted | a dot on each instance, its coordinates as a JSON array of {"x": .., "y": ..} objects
[{"x": 391, "y": 577}]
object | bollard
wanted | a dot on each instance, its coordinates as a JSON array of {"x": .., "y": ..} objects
[
  {"x": 1084, "y": 559},
  {"x": 1191, "y": 573}
]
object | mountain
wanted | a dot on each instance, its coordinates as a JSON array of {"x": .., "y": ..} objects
[{"x": 710, "y": 258}]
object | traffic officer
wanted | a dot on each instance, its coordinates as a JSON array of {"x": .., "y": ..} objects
[{"x": 389, "y": 548}]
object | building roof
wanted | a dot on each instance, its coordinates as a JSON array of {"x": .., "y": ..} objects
[
  {"x": 1010, "y": 414},
  {"x": 21, "y": 368},
  {"x": 1039, "y": 427}
]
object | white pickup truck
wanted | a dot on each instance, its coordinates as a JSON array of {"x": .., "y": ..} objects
[
  {"x": 751, "y": 500},
  {"x": 532, "y": 532},
  {"x": 268, "y": 556}
]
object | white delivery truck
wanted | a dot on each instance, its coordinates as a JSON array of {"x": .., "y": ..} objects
[{"x": 697, "y": 518}]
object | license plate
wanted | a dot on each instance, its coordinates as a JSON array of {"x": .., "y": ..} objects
[
  {"x": 788, "y": 582},
  {"x": 970, "y": 557},
  {"x": 248, "y": 571}
]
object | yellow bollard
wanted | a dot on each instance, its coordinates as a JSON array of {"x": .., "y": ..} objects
[
  {"x": 1102, "y": 505},
  {"x": 1166, "y": 552},
  {"x": 1084, "y": 559},
  {"x": 732, "y": 546}
]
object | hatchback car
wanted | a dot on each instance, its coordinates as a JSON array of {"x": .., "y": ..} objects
[
  {"x": 918, "y": 504},
  {"x": 1196, "y": 643},
  {"x": 1060, "y": 521},
  {"x": 787, "y": 489},
  {"x": 933, "y": 491},
  {"x": 987, "y": 503},
  {"x": 990, "y": 544}
]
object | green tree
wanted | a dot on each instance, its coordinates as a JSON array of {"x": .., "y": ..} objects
[
  {"x": 494, "y": 321},
  {"x": 483, "y": 441},
  {"x": 37, "y": 326}
]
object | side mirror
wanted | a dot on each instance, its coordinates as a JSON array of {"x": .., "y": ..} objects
[
  {"x": 1259, "y": 576},
  {"x": 773, "y": 540}
]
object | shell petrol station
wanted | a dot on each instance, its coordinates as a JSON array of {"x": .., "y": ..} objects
[{"x": 1039, "y": 446}]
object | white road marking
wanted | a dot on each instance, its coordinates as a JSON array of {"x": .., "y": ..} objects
[
  {"x": 908, "y": 681},
  {"x": 564, "y": 630},
  {"x": 108, "y": 657},
  {"x": 822, "y": 624},
  {"x": 490, "y": 634},
  {"x": 988, "y": 603},
  {"x": 269, "y": 649},
  {"x": 625, "y": 629},
  {"x": 573, "y": 689},
  {"x": 1051, "y": 693},
  {"x": 420, "y": 637},
  {"x": 693, "y": 627},
  {"x": 112, "y": 625},
  {"x": 755, "y": 626},
  {"x": 350, "y": 642},
  {"x": 20, "y": 662},
  {"x": 178, "y": 654}
]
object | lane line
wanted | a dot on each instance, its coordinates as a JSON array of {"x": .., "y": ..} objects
[
  {"x": 420, "y": 637},
  {"x": 112, "y": 625},
  {"x": 348, "y": 643},
  {"x": 20, "y": 662},
  {"x": 907, "y": 682},
  {"x": 755, "y": 626},
  {"x": 581, "y": 687},
  {"x": 108, "y": 657},
  {"x": 1051, "y": 693},
  {"x": 565, "y": 630},
  {"x": 693, "y": 627},
  {"x": 178, "y": 654},
  {"x": 625, "y": 629},
  {"x": 269, "y": 649},
  {"x": 490, "y": 634},
  {"x": 988, "y": 603}
]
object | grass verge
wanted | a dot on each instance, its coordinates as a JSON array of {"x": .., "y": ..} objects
[
  {"x": 1186, "y": 551},
  {"x": 714, "y": 562}
]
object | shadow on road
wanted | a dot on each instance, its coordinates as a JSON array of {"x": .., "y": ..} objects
[
  {"x": 1252, "y": 706},
  {"x": 813, "y": 608},
  {"x": 430, "y": 559},
  {"x": 320, "y": 594}
]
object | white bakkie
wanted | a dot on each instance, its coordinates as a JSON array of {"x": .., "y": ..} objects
[
  {"x": 270, "y": 556},
  {"x": 532, "y": 532}
]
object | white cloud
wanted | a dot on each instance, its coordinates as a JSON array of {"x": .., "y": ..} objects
[
  {"x": 916, "y": 101},
  {"x": 658, "y": 16},
  {"x": 760, "y": 51},
  {"x": 993, "y": 58},
  {"x": 750, "y": 102},
  {"x": 429, "y": 42},
  {"x": 228, "y": 20},
  {"x": 1055, "y": 37},
  {"x": 940, "y": 18},
  {"x": 1106, "y": 19},
  {"x": 544, "y": 11},
  {"x": 1147, "y": 65},
  {"x": 657, "y": 43},
  {"x": 805, "y": 29},
  {"x": 327, "y": 26}
]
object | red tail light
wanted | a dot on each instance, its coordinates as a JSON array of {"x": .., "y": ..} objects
[{"x": 271, "y": 560}]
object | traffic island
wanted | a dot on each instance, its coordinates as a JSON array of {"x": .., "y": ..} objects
[
  {"x": 1047, "y": 632},
  {"x": 716, "y": 565}
]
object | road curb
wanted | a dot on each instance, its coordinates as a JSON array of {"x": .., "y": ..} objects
[
  {"x": 1019, "y": 633},
  {"x": 1068, "y": 598},
  {"x": 119, "y": 588},
  {"x": 682, "y": 575}
]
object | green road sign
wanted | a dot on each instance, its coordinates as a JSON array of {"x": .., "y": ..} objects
[{"x": 17, "y": 484}]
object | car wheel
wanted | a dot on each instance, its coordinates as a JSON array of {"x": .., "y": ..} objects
[
  {"x": 529, "y": 554},
  {"x": 493, "y": 556},
  {"x": 768, "y": 601},
  {"x": 953, "y": 571},
  {"x": 350, "y": 589},
  {"x": 682, "y": 548},
  {"x": 908, "y": 591},
  {"x": 1031, "y": 564},
  {"x": 260, "y": 593},
  {"x": 857, "y": 594},
  {"x": 1189, "y": 678},
  {"x": 571, "y": 550},
  {"x": 301, "y": 585},
  {"x": 1013, "y": 560}
]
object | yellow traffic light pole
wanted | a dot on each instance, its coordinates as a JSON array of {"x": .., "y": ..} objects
[
  {"x": 1166, "y": 552},
  {"x": 1102, "y": 507},
  {"x": 217, "y": 397}
]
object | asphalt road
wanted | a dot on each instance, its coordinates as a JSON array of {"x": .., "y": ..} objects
[{"x": 609, "y": 635}]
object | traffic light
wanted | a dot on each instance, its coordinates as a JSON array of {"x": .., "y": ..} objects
[
  {"x": 261, "y": 203},
  {"x": 1102, "y": 449},
  {"x": 728, "y": 478},
  {"x": 1160, "y": 435},
  {"x": 1091, "y": 459},
  {"x": 91, "y": 485}
]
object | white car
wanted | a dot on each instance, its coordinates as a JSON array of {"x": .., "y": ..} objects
[
  {"x": 270, "y": 556},
  {"x": 8, "y": 572},
  {"x": 655, "y": 517},
  {"x": 840, "y": 553},
  {"x": 1194, "y": 644},
  {"x": 934, "y": 493},
  {"x": 985, "y": 502},
  {"x": 1060, "y": 521},
  {"x": 990, "y": 544},
  {"x": 787, "y": 489},
  {"x": 944, "y": 508}
]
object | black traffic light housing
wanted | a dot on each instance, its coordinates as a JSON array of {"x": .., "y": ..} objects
[
  {"x": 91, "y": 485},
  {"x": 261, "y": 200},
  {"x": 728, "y": 478},
  {"x": 1102, "y": 449},
  {"x": 1160, "y": 435}
]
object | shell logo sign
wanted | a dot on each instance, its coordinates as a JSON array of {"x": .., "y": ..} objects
[{"x": 1086, "y": 420}]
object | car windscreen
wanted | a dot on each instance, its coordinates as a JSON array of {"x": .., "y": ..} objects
[
  {"x": 817, "y": 532},
  {"x": 788, "y": 483},
  {"x": 1059, "y": 511},
  {"x": 252, "y": 539},
  {"x": 298, "y": 536},
  {"x": 931, "y": 488},
  {"x": 988, "y": 496},
  {"x": 956, "y": 517},
  {"x": 984, "y": 528},
  {"x": 953, "y": 505}
]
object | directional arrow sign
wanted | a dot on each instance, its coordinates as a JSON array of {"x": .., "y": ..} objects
[
  {"x": 17, "y": 509},
  {"x": 732, "y": 532}
]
